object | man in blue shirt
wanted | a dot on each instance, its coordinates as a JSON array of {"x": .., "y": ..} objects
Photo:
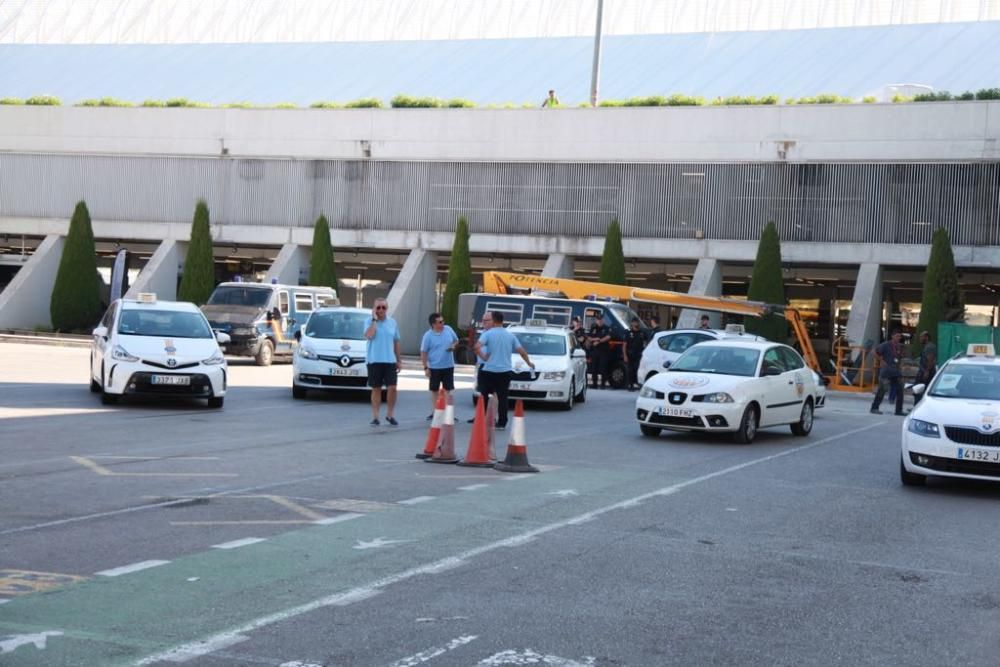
[
  {"x": 889, "y": 354},
  {"x": 383, "y": 359},
  {"x": 437, "y": 352},
  {"x": 495, "y": 347}
]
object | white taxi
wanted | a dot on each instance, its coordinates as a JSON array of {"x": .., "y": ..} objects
[
  {"x": 730, "y": 386},
  {"x": 159, "y": 348},
  {"x": 954, "y": 431},
  {"x": 666, "y": 346},
  {"x": 560, "y": 374},
  {"x": 331, "y": 352}
]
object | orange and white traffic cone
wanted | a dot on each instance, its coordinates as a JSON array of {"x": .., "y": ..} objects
[
  {"x": 491, "y": 427},
  {"x": 434, "y": 434},
  {"x": 445, "y": 450},
  {"x": 478, "y": 454},
  {"x": 517, "y": 449}
]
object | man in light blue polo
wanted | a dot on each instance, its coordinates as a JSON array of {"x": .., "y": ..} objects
[
  {"x": 437, "y": 352},
  {"x": 496, "y": 347},
  {"x": 383, "y": 359}
]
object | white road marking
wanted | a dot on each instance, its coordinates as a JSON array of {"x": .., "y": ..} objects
[
  {"x": 529, "y": 657},
  {"x": 38, "y": 639},
  {"x": 134, "y": 567},
  {"x": 416, "y": 501},
  {"x": 235, "y": 544},
  {"x": 377, "y": 543},
  {"x": 432, "y": 653},
  {"x": 192, "y": 651},
  {"x": 472, "y": 487},
  {"x": 563, "y": 493},
  {"x": 337, "y": 519},
  {"x": 4, "y": 600},
  {"x": 299, "y": 663},
  {"x": 731, "y": 509},
  {"x": 432, "y": 568}
]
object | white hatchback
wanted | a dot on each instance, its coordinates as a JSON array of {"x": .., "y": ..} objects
[
  {"x": 730, "y": 386},
  {"x": 667, "y": 346},
  {"x": 331, "y": 352},
  {"x": 158, "y": 348},
  {"x": 954, "y": 431}
]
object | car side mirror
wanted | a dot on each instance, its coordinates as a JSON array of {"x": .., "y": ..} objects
[
  {"x": 298, "y": 335},
  {"x": 666, "y": 364},
  {"x": 101, "y": 331},
  {"x": 772, "y": 370},
  {"x": 222, "y": 337},
  {"x": 579, "y": 353},
  {"x": 919, "y": 389}
]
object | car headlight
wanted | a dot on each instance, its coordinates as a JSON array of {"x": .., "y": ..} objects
[
  {"x": 307, "y": 352},
  {"x": 215, "y": 359},
  {"x": 554, "y": 375},
  {"x": 718, "y": 397},
  {"x": 121, "y": 354},
  {"x": 647, "y": 392},
  {"x": 926, "y": 429}
]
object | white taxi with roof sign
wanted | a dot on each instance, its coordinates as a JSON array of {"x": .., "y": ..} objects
[
  {"x": 954, "y": 431},
  {"x": 560, "y": 374},
  {"x": 158, "y": 348}
]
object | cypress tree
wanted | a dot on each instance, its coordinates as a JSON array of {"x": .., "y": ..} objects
[
  {"x": 767, "y": 285},
  {"x": 613, "y": 259},
  {"x": 459, "y": 275},
  {"x": 75, "y": 303},
  {"x": 321, "y": 272},
  {"x": 198, "y": 279},
  {"x": 942, "y": 299}
]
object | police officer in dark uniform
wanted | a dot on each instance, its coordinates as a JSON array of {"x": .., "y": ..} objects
[
  {"x": 635, "y": 343},
  {"x": 600, "y": 351}
]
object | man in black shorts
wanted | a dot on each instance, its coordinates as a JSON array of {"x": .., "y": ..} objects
[
  {"x": 437, "y": 352},
  {"x": 383, "y": 359}
]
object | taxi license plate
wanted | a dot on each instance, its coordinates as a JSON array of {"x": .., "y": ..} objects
[
  {"x": 343, "y": 371},
  {"x": 978, "y": 454},
  {"x": 170, "y": 379},
  {"x": 669, "y": 411},
  {"x": 520, "y": 386}
]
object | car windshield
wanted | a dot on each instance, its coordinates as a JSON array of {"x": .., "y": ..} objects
[
  {"x": 720, "y": 359},
  {"x": 163, "y": 323},
  {"x": 969, "y": 381},
  {"x": 542, "y": 344},
  {"x": 232, "y": 295},
  {"x": 624, "y": 315},
  {"x": 344, "y": 326}
]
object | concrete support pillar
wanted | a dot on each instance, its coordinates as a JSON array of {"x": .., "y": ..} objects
[
  {"x": 161, "y": 272},
  {"x": 559, "y": 265},
  {"x": 24, "y": 303},
  {"x": 291, "y": 266},
  {"x": 413, "y": 297},
  {"x": 707, "y": 281},
  {"x": 865, "y": 321}
]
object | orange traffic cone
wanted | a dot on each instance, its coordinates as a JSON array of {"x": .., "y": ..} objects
[
  {"x": 478, "y": 455},
  {"x": 491, "y": 431},
  {"x": 445, "y": 450},
  {"x": 434, "y": 434},
  {"x": 517, "y": 450}
]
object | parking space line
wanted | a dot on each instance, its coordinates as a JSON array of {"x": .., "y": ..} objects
[
  {"x": 295, "y": 507},
  {"x": 250, "y": 522},
  {"x": 472, "y": 487},
  {"x": 235, "y": 544},
  {"x": 337, "y": 519},
  {"x": 416, "y": 501},
  {"x": 134, "y": 567},
  {"x": 101, "y": 470}
]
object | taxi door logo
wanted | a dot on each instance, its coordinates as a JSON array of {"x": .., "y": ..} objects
[{"x": 800, "y": 385}]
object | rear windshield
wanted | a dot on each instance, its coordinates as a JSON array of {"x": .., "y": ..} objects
[
  {"x": 164, "y": 324},
  {"x": 346, "y": 326},
  {"x": 724, "y": 360},
  {"x": 240, "y": 296},
  {"x": 542, "y": 344},
  {"x": 968, "y": 381}
]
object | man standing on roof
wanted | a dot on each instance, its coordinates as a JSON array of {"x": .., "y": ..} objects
[{"x": 496, "y": 347}]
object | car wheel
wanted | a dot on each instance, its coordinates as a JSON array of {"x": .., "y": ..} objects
[
  {"x": 298, "y": 392},
  {"x": 216, "y": 401},
  {"x": 265, "y": 355},
  {"x": 618, "y": 377},
  {"x": 748, "y": 426},
  {"x": 650, "y": 431},
  {"x": 582, "y": 396},
  {"x": 910, "y": 478},
  {"x": 805, "y": 422},
  {"x": 568, "y": 403}
]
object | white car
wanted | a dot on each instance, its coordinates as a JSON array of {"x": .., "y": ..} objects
[
  {"x": 159, "y": 348},
  {"x": 954, "y": 431},
  {"x": 666, "y": 346},
  {"x": 560, "y": 374},
  {"x": 730, "y": 386},
  {"x": 331, "y": 352}
]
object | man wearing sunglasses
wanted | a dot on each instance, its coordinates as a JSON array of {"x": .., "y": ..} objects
[
  {"x": 383, "y": 359},
  {"x": 437, "y": 352}
]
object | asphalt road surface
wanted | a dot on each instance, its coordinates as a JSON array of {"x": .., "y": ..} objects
[{"x": 286, "y": 532}]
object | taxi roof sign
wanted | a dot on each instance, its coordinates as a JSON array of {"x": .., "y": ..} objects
[
  {"x": 536, "y": 323},
  {"x": 981, "y": 350},
  {"x": 146, "y": 297},
  {"x": 735, "y": 329}
]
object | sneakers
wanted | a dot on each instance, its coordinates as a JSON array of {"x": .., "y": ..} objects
[
  {"x": 875, "y": 412},
  {"x": 471, "y": 420},
  {"x": 901, "y": 414},
  {"x": 501, "y": 427},
  {"x": 430, "y": 417},
  {"x": 391, "y": 421},
  {"x": 374, "y": 422}
]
